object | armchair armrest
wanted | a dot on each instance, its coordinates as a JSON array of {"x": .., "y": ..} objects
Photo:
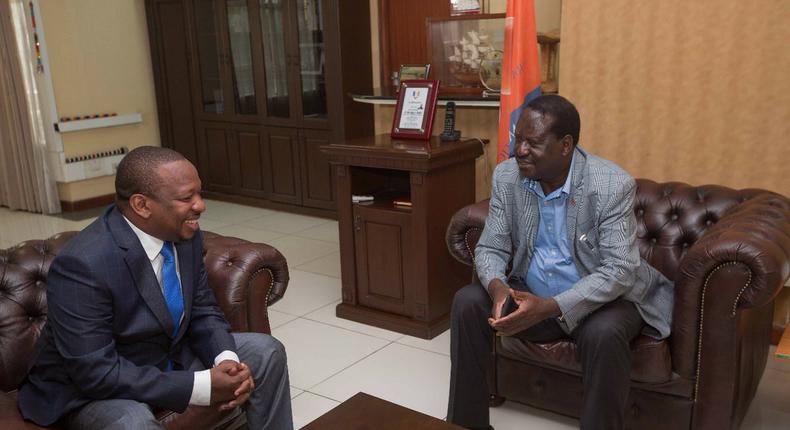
[
  {"x": 723, "y": 293},
  {"x": 464, "y": 231},
  {"x": 246, "y": 278},
  {"x": 755, "y": 235}
]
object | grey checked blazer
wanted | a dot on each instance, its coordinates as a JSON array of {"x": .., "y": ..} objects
[{"x": 602, "y": 233}]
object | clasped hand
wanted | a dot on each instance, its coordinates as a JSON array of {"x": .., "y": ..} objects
[
  {"x": 530, "y": 310},
  {"x": 231, "y": 384}
]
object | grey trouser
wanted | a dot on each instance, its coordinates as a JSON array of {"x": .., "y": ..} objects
[{"x": 269, "y": 406}]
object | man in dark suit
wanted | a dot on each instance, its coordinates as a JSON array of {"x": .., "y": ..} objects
[
  {"x": 559, "y": 244},
  {"x": 132, "y": 323}
]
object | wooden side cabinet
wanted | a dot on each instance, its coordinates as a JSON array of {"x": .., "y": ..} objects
[{"x": 396, "y": 271}]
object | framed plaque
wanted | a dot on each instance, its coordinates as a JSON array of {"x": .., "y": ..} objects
[
  {"x": 413, "y": 71},
  {"x": 415, "y": 109}
]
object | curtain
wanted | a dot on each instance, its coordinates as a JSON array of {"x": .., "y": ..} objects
[{"x": 25, "y": 180}]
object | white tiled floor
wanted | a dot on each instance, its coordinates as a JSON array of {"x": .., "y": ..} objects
[{"x": 331, "y": 359}]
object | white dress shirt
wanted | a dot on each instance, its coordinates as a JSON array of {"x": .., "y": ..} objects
[{"x": 201, "y": 389}]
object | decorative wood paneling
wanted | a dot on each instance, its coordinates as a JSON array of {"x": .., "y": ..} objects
[
  {"x": 403, "y": 37},
  {"x": 284, "y": 165},
  {"x": 251, "y": 159},
  {"x": 217, "y": 153},
  {"x": 317, "y": 185}
]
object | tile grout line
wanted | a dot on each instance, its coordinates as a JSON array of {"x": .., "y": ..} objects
[
  {"x": 335, "y": 303},
  {"x": 295, "y": 232},
  {"x": 345, "y": 368},
  {"x": 316, "y": 273},
  {"x": 422, "y": 349},
  {"x": 314, "y": 259},
  {"x": 349, "y": 329},
  {"x": 308, "y": 312},
  {"x": 342, "y": 328},
  {"x": 319, "y": 395}
]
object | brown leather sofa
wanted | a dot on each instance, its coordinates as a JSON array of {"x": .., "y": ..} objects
[
  {"x": 728, "y": 252},
  {"x": 246, "y": 278}
]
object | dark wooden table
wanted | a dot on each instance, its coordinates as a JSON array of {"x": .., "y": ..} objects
[{"x": 365, "y": 412}]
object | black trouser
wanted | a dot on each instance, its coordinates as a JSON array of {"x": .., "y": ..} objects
[{"x": 603, "y": 340}]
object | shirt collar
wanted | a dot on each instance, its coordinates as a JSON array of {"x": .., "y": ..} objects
[
  {"x": 535, "y": 187},
  {"x": 151, "y": 245}
]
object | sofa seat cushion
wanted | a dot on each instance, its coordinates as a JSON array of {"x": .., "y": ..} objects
[{"x": 650, "y": 359}]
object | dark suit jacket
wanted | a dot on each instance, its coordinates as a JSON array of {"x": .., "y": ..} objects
[{"x": 109, "y": 333}]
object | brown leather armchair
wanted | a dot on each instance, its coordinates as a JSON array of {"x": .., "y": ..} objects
[
  {"x": 728, "y": 252},
  {"x": 246, "y": 278}
]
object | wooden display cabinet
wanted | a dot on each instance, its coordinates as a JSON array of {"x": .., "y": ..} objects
[
  {"x": 248, "y": 91},
  {"x": 396, "y": 271}
]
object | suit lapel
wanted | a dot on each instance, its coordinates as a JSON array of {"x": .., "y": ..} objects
[
  {"x": 185, "y": 270},
  {"x": 140, "y": 268},
  {"x": 576, "y": 199}
]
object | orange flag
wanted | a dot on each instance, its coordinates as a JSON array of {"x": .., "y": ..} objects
[{"x": 520, "y": 71}]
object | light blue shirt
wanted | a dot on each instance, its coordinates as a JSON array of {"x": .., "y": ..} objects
[{"x": 551, "y": 270}]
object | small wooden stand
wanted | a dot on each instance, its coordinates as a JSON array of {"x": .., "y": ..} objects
[{"x": 397, "y": 273}]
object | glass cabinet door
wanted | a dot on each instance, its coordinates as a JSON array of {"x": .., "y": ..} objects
[
  {"x": 242, "y": 70},
  {"x": 275, "y": 60},
  {"x": 209, "y": 56},
  {"x": 312, "y": 58}
]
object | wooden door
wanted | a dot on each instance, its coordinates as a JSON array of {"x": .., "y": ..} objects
[
  {"x": 318, "y": 186},
  {"x": 382, "y": 249},
  {"x": 310, "y": 27},
  {"x": 167, "y": 25},
  {"x": 243, "y": 62},
  {"x": 212, "y": 83},
  {"x": 276, "y": 48}
]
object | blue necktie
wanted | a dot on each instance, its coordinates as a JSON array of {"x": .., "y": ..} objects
[{"x": 171, "y": 287}]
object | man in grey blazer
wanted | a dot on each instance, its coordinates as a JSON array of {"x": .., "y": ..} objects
[
  {"x": 557, "y": 258},
  {"x": 132, "y": 322}
]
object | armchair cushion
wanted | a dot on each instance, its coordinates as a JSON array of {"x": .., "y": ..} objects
[{"x": 650, "y": 360}]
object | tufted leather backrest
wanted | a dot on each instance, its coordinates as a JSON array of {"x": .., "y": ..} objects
[
  {"x": 23, "y": 303},
  {"x": 246, "y": 278},
  {"x": 672, "y": 216}
]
